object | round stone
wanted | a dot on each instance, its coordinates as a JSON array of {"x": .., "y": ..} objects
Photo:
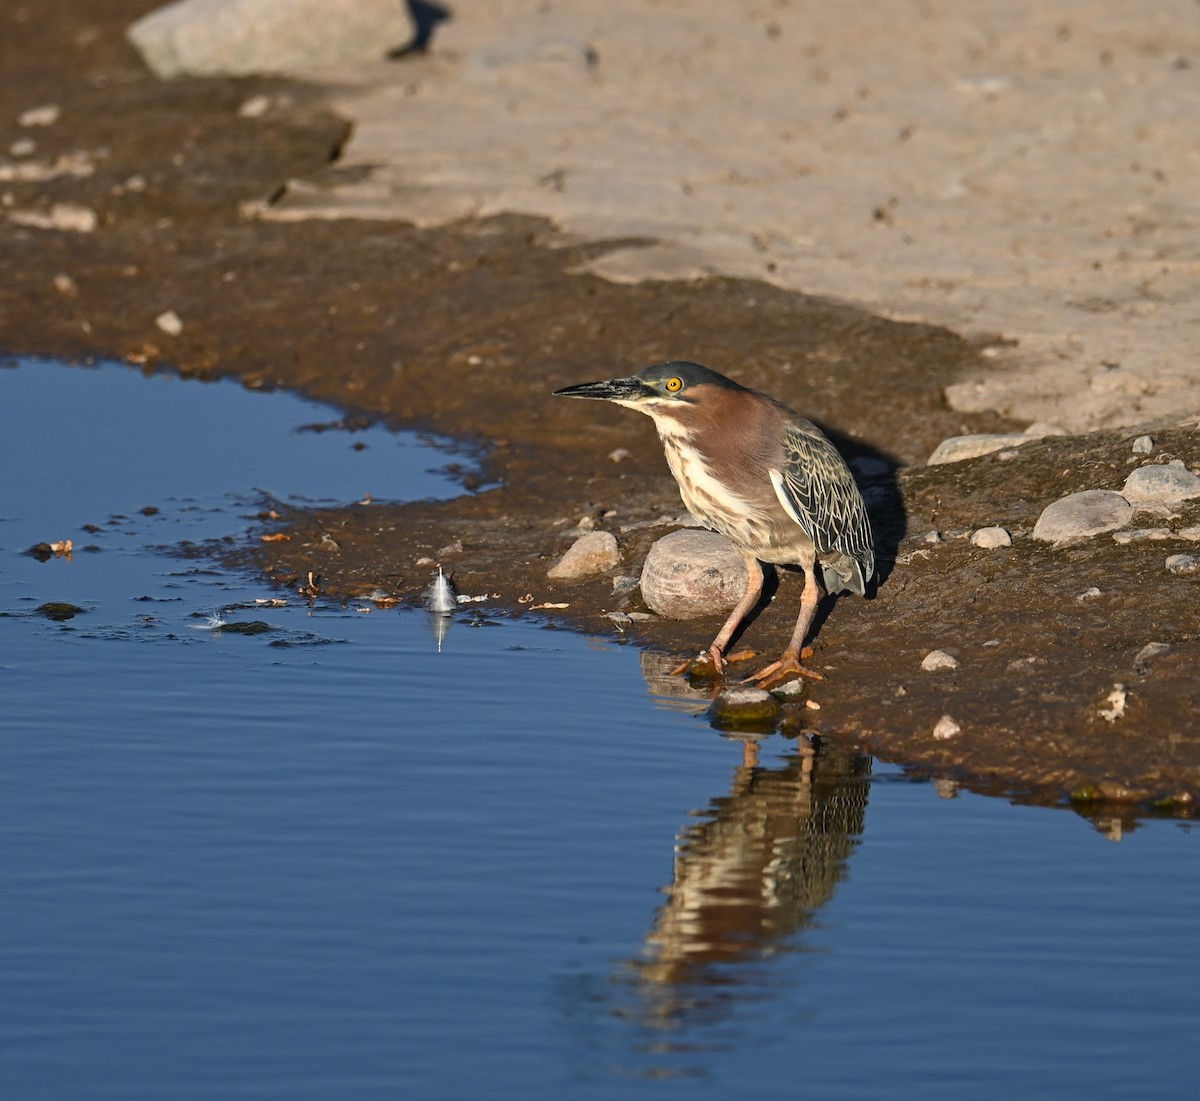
[{"x": 691, "y": 573}]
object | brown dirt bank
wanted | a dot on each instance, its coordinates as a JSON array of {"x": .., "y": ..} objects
[{"x": 466, "y": 330}]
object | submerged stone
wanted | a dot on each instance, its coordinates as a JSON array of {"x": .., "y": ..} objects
[
  {"x": 248, "y": 627},
  {"x": 745, "y": 707},
  {"x": 59, "y": 610}
]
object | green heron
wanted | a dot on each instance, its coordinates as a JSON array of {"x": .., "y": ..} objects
[{"x": 761, "y": 475}]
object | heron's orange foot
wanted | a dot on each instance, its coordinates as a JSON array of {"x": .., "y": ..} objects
[{"x": 787, "y": 668}]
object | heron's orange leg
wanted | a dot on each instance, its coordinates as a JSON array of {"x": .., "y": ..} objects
[{"x": 788, "y": 666}]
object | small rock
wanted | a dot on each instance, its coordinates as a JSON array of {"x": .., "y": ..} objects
[
  {"x": 169, "y": 322},
  {"x": 1040, "y": 429},
  {"x": 1025, "y": 665},
  {"x": 1163, "y": 484},
  {"x": 255, "y": 107},
  {"x": 590, "y": 554},
  {"x": 1192, "y": 534},
  {"x": 957, "y": 448},
  {"x": 23, "y": 147},
  {"x": 791, "y": 689},
  {"x": 937, "y": 660},
  {"x": 692, "y": 573},
  {"x": 238, "y": 37},
  {"x": 618, "y": 454},
  {"x": 743, "y": 707},
  {"x": 65, "y": 285},
  {"x": 990, "y": 538},
  {"x": 933, "y": 537},
  {"x": 1143, "y": 445},
  {"x": 1080, "y": 515},
  {"x": 1090, "y": 593},
  {"x": 46, "y": 115},
  {"x": 1148, "y": 653},
  {"x": 946, "y": 728},
  {"x": 1183, "y": 565}
]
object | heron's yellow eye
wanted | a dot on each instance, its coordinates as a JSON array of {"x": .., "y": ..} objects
[{"x": 675, "y": 384}]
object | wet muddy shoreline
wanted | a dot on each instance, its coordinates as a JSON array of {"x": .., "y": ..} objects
[{"x": 466, "y": 330}]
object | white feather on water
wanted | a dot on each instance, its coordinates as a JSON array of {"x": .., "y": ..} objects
[{"x": 439, "y": 597}]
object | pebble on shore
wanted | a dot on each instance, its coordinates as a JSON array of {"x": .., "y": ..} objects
[
  {"x": 937, "y": 660},
  {"x": 946, "y": 728},
  {"x": 590, "y": 554},
  {"x": 990, "y": 538},
  {"x": 1183, "y": 565}
]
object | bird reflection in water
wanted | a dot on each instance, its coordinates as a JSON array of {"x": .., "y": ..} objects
[
  {"x": 751, "y": 872},
  {"x": 750, "y": 875}
]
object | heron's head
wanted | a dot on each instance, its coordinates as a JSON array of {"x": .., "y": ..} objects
[{"x": 661, "y": 389}]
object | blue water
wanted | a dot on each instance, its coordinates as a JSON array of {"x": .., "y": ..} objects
[{"x": 329, "y": 861}]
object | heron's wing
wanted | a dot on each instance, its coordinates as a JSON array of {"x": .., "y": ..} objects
[{"x": 817, "y": 490}]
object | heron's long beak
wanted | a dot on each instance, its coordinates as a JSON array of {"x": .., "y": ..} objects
[{"x": 617, "y": 389}]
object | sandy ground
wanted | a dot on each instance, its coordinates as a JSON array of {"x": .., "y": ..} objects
[
  {"x": 141, "y": 200},
  {"x": 1009, "y": 167}
]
